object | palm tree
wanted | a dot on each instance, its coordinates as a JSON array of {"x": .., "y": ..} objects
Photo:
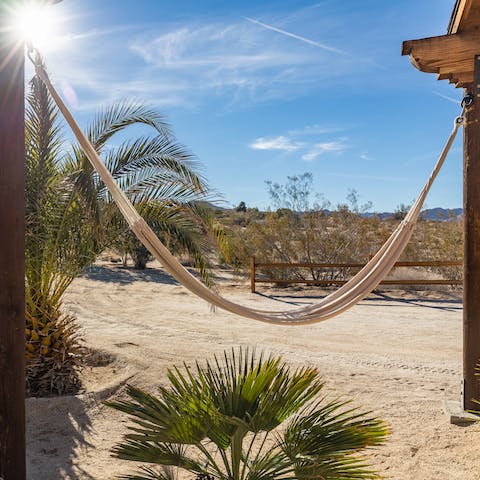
[
  {"x": 71, "y": 218},
  {"x": 185, "y": 227},
  {"x": 236, "y": 418}
]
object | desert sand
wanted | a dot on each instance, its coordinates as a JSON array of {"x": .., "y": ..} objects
[{"x": 397, "y": 354}]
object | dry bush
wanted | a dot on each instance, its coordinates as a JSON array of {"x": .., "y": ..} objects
[
  {"x": 438, "y": 241},
  {"x": 313, "y": 237},
  {"x": 341, "y": 236},
  {"x": 299, "y": 232}
]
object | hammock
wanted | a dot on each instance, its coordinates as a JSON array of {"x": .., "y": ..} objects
[{"x": 353, "y": 291}]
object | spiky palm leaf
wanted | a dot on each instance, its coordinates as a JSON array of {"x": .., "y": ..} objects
[
  {"x": 70, "y": 217},
  {"x": 159, "y": 175},
  {"x": 243, "y": 418},
  {"x": 185, "y": 228}
]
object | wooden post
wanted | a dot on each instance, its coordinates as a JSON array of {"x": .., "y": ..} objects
[
  {"x": 471, "y": 209},
  {"x": 12, "y": 266},
  {"x": 252, "y": 274}
]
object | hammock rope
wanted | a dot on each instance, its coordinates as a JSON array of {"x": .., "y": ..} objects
[{"x": 349, "y": 294}]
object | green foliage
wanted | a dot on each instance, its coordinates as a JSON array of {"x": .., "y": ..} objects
[
  {"x": 301, "y": 232},
  {"x": 315, "y": 236},
  {"x": 185, "y": 228},
  {"x": 241, "y": 207},
  {"x": 401, "y": 211},
  {"x": 239, "y": 418},
  {"x": 70, "y": 219},
  {"x": 58, "y": 243}
]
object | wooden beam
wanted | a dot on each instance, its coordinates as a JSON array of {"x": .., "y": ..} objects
[
  {"x": 451, "y": 53},
  {"x": 12, "y": 218},
  {"x": 427, "y": 263},
  {"x": 460, "y": 79},
  {"x": 457, "y": 68},
  {"x": 471, "y": 209},
  {"x": 460, "y": 13},
  {"x": 464, "y": 80}
]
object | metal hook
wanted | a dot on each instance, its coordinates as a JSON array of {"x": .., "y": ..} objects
[
  {"x": 34, "y": 55},
  {"x": 467, "y": 100}
]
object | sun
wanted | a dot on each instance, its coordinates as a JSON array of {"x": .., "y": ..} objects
[{"x": 36, "y": 24}]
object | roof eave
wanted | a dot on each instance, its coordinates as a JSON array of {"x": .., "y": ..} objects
[{"x": 460, "y": 10}]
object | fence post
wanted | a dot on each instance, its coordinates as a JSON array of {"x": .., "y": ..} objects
[{"x": 252, "y": 274}]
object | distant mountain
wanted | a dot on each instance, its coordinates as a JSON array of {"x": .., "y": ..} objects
[
  {"x": 442, "y": 214},
  {"x": 210, "y": 205},
  {"x": 433, "y": 214}
]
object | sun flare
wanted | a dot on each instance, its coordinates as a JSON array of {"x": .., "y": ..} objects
[{"x": 36, "y": 24}]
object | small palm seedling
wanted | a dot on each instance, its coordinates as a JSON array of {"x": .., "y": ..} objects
[{"x": 238, "y": 418}]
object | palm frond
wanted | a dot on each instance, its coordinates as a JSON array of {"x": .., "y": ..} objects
[
  {"x": 217, "y": 232},
  {"x": 219, "y": 402},
  {"x": 157, "y": 453},
  {"x": 326, "y": 438},
  {"x": 261, "y": 394},
  {"x": 147, "y": 473},
  {"x": 115, "y": 118},
  {"x": 164, "y": 419},
  {"x": 160, "y": 153}
]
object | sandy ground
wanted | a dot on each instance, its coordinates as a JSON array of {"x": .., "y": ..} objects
[{"x": 397, "y": 354}]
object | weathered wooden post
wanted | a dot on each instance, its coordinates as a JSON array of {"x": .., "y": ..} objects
[
  {"x": 12, "y": 217},
  {"x": 471, "y": 218},
  {"x": 12, "y": 245},
  {"x": 456, "y": 57},
  {"x": 252, "y": 274}
]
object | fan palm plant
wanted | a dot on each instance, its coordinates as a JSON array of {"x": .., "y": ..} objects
[
  {"x": 238, "y": 418},
  {"x": 71, "y": 218}
]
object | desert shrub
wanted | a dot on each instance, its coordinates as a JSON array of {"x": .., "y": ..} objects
[
  {"x": 302, "y": 230},
  {"x": 438, "y": 241},
  {"x": 340, "y": 236},
  {"x": 241, "y": 207}
]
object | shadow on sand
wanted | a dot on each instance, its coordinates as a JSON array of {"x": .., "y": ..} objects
[
  {"x": 127, "y": 275},
  {"x": 450, "y": 304},
  {"x": 56, "y": 431}
]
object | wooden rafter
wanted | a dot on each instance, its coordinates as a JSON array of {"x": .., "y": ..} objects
[
  {"x": 460, "y": 14},
  {"x": 450, "y": 56}
]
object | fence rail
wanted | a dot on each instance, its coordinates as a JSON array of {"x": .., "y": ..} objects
[{"x": 434, "y": 263}]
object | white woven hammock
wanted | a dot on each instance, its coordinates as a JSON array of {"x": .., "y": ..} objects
[{"x": 357, "y": 288}]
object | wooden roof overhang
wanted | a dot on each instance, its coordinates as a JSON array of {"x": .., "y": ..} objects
[{"x": 451, "y": 56}]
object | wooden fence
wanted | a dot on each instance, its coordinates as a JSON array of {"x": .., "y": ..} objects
[{"x": 254, "y": 266}]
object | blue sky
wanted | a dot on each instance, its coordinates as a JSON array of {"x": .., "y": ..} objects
[{"x": 260, "y": 90}]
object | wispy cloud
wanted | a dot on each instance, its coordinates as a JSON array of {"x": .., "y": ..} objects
[
  {"x": 310, "y": 149},
  {"x": 277, "y": 143},
  {"x": 365, "y": 156},
  {"x": 239, "y": 62},
  {"x": 316, "y": 129},
  {"x": 102, "y": 32},
  {"x": 447, "y": 97},
  {"x": 338, "y": 146},
  {"x": 323, "y": 46}
]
